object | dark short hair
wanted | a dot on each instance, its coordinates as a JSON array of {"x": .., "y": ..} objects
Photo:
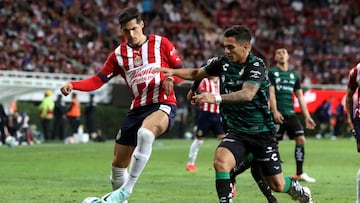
[
  {"x": 129, "y": 14},
  {"x": 239, "y": 32}
]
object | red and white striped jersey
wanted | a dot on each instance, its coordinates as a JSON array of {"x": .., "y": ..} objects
[
  {"x": 136, "y": 64},
  {"x": 210, "y": 85},
  {"x": 354, "y": 83}
]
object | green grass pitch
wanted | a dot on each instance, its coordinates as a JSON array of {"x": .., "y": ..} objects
[{"x": 59, "y": 173}]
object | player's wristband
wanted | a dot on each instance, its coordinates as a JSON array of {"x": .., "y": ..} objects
[{"x": 218, "y": 99}]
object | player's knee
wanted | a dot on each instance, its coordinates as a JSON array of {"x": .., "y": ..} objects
[{"x": 145, "y": 135}]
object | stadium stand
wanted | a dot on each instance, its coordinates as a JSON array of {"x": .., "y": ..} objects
[{"x": 75, "y": 36}]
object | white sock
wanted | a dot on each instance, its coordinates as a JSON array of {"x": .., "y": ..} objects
[
  {"x": 194, "y": 149},
  {"x": 358, "y": 186},
  {"x": 140, "y": 157},
  {"x": 118, "y": 177}
]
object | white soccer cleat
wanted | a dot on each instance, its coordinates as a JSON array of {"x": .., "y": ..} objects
[
  {"x": 308, "y": 193},
  {"x": 307, "y": 178},
  {"x": 92, "y": 200},
  {"x": 118, "y": 196}
]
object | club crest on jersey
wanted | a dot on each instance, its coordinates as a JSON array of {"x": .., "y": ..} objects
[
  {"x": 138, "y": 61},
  {"x": 292, "y": 76},
  {"x": 241, "y": 72}
]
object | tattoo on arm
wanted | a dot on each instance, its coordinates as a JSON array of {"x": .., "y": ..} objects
[{"x": 246, "y": 94}]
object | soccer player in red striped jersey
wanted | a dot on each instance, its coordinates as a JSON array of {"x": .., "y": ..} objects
[
  {"x": 353, "y": 115},
  {"x": 208, "y": 118},
  {"x": 153, "y": 106}
]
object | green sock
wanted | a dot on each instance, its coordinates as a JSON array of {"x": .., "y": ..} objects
[
  {"x": 287, "y": 184},
  {"x": 223, "y": 187}
]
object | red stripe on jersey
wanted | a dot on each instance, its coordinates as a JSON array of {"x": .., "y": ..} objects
[
  {"x": 124, "y": 56},
  {"x": 150, "y": 94},
  {"x": 151, "y": 52}
]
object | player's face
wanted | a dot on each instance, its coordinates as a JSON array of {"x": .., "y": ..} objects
[
  {"x": 237, "y": 52},
  {"x": 281, "y": 55},
  {"x": 133, "y": 32}
]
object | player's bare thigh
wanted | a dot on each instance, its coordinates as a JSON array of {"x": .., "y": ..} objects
[{"x": 157, "y": 122}]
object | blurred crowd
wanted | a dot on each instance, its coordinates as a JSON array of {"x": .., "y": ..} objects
[{"x": 75, "y": 36}]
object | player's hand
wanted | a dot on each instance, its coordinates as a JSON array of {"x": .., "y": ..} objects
[
  {"x": 66, "y": 89},
  {"x": 278, "y": 117},
  {"x": 189, "y": 96},
  {"x": 167, "y": 71},
  {"x": 168, "y": 85},
  {"x": 310, "y": 123},
  {"x": 204, "y": 98}
]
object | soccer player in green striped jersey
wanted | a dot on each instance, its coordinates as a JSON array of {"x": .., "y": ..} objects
[
  {"x": 244, "y": 108},
  {"x": 285, "y": 82}
]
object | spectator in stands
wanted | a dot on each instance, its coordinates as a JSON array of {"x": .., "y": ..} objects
[
  {"x": 46, "y": 114},
  {"x": 73, "y": 114}
]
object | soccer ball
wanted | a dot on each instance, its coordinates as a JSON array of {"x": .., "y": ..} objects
[
  {"x": 92, "y": 200},
  {"x": 10, "y": 141}
]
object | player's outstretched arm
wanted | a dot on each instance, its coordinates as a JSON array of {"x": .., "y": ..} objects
[
  {"x": 187, "y": 74},
  {"x": 309, "y": 122}
]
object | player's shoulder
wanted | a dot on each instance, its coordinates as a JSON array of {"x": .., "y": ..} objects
[
  {"x": 354, "y": 70},
  {"x": 255, "y": 61},
  {"x": 215, "y": 59}
]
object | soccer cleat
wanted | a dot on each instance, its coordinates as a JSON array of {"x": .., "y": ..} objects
[
  {"x": 191, "y": 168},
  {"x": 307, "y": 191},
  {"x": 305, "y": 177},
  {"x": 298, "y": 192},
  {"x": 118, "y": 196}
]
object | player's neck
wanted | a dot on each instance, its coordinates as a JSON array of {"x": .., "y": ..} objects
[{"x": 283, "y": 66}]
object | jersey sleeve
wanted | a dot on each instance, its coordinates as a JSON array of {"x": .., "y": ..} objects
[
  {"x": 213, "y": 66},
  {"x": 172, "y": 57},
  {"x": 107, "y": 72},
  {"x": 255, "y": 72},
  {"x": 352, "y": 84},
  {"x": 297, "y": 85}
]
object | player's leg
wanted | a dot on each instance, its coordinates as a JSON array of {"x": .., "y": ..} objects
[
  {"x": 156, "y": 122},
  {"x": 269, "y": 160},
  {"x": 296, "y": 131},
  {"x": 230, "y": 151},
  {"x": 202, "y": 127},
  {"x": 262, "y": 184},
  {"x": 153, "y": 126},
  {"x": 193, "y": 152},
  {"x": 119, "y": 168}
]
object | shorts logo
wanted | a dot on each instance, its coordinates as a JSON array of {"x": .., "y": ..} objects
[{"x": 118, "y": 135}]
